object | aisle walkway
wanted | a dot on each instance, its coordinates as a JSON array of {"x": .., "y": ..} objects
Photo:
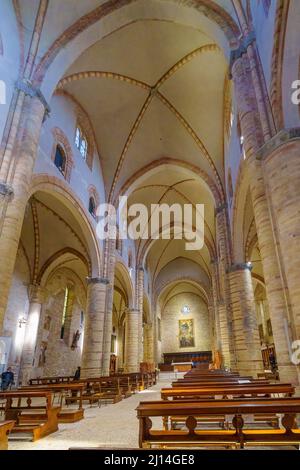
[{"x": 108, "y": 426}]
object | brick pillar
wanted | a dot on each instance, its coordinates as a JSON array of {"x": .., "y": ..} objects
[
  {"x": 149, "y": 343},
  {"x": 37, "y": 298},
  {"x": 281, "y": 166},
  {"x": 140, "y": 298},
  {"x": 215, "y": 294},
  {"x": 131, "y": 340},
  {"x": 14, "y": 191},
  {"x": 92, "y": 355},
  {"x": 212, "y": 328},
  {"x": 111, "y": 245},
  {"x": 275, "y": 287},
  {"x": 223, "y": 304},
  {"x": 245, "y": 328}
]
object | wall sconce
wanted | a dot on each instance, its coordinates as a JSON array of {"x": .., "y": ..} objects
[{"x": 22, "y": 321}]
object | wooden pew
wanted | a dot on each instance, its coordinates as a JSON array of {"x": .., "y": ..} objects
[
  {"x": 239, "y": 436},
  {"x": 234, "y": 391},
  {"x": 51, "y": 380},
  {"x": 62, "y": 391},
  {"x": 202, "y": 383},
  {"x": 5, "y": 429},
  {"x": 20, "y": 403}
]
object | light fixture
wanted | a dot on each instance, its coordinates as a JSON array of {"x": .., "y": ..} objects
[
  {"x": 249, "y": 264},
  {"x": 22, "y": 321}
]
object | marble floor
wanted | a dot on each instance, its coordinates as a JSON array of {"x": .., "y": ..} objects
[{"x": 109, "y": 426}]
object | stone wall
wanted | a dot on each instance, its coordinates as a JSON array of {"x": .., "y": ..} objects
[
  {"x": 17, "y": 308},
  {"x": 170, "y": 323},
  {"x": 55, "y": 356}
]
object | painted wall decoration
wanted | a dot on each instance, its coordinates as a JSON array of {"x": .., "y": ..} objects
[{"x": 186, "y": 333}]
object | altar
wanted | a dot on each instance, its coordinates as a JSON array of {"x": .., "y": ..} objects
[{"x": 182, "y": 366}]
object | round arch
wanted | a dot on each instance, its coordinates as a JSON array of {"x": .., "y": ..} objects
[
  {"x": 125, "y": 279},
  {"x": 61, "y": 191},
  {"x": 214, "y": 20}
]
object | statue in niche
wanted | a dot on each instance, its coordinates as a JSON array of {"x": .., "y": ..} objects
[
  {"x": 42, "y": 357},
  {"x": 47, "y": 322},
  {"x": 76, "y": 337}
]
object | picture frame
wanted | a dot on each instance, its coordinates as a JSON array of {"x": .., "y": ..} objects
[{"x": 186, "y": 333}]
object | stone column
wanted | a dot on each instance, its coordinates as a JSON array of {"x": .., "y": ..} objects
[
  {"x": 131, "y": 340},
  {"x": 149, "y": 343},
  {"x": 214, "y": 307},
  {"x": 37, "y": 298},
  {"x": 220, "y": 273},
  {"x": 245, "y": 328},
  {"x": 275, "y": 284},
  {"x": 92, "y": 355},
  {"x": 281, "y": 167},
  {"x": 140, "y": 306},
  {"x": 110, "y": 270},
  {"x": 14, "y": 190}
]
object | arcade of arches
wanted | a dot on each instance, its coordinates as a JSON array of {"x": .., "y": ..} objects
[{"x": 162, "y": 101}]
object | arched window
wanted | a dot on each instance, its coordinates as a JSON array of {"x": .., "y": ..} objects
[
  {"x": 93, "y": 200},
  {"x": 62, "y": 156},
  {"x": 230, "y": 187},
  {"x": 129, "y": 260},
  {"x": 60, "y": 159},
  {"x": 81, "y": 142},
  {"x": 92, "y": 206},
  {"x": 65, "y": 328},
  {"x": 241, "y": 137}
]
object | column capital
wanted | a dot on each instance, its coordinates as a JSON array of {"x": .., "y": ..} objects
[
  {"x": 131, "y": 311},
  {"x": 239, "y": 267},
  {"x": 36, "y": 293},
  {"x": 6, "y": 190},
  {"x": 97, "y": 280},
  {"x": 140, "y": 268},
  {"x": 237, "y": 53},
  {"x": 282, "y": 137},
  {"x": 29, "y": 90}
]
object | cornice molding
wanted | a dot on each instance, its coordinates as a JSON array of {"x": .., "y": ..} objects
[
  {"x": 29, "y": 90},
  {"x": 97, "y": 280},
  {"x": 239, "y": 267},
  {"x": 282, "y": 137}
]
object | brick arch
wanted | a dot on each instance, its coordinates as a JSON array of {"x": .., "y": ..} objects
[
  {"x": 282, "y": 11},
  {"x": 209, "y": 9},
  {"x": 61, "y": 139},
  {"x": 55, "y": 186}
]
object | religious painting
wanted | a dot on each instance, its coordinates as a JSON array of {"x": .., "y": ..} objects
[
  {"x": 186, "y": 334},
  {"x": 261, "y": 333},
  {"x": 269, "y": 327}
]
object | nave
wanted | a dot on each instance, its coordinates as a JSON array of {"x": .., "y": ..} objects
[{"x": 200, "y": 409}]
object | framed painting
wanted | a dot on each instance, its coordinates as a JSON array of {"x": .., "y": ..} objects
[{"x": 186, "y": 333}]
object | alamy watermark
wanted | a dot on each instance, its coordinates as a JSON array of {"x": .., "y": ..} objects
[
  {"x": 160, "y": 221},
  {"x": 296, "y": 93}
]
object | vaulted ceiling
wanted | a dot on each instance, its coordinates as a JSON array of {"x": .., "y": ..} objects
[{"x": 153, "y": 86}]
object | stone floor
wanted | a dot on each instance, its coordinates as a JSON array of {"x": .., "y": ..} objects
[
  {"x": 109, "y": 426},
  {"x": 106, "y": 427}
]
